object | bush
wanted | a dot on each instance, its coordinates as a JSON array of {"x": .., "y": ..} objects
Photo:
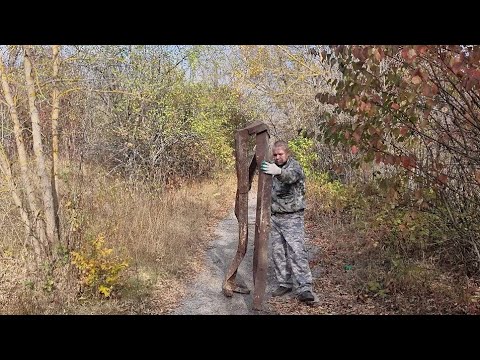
[{"x": 99, "y": 269}]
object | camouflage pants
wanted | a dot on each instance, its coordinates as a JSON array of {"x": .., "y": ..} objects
[{"x": 288, "y": 251}]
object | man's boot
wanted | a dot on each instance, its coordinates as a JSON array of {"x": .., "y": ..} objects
[{"x": 281, "y": 290}]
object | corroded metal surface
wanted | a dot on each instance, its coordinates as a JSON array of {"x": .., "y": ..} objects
[
  {"x": 241, "y": 211},
  {"x": 245, "y": 172},
  {"x": 262, "y": 224}
]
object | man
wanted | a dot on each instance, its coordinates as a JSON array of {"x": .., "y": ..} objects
[{"x": 287, "y": 223}]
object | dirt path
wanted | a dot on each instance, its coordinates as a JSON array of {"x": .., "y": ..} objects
[{"x": 204, "y": 295}]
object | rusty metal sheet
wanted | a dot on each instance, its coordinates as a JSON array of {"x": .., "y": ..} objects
[
  {"x": 245, "y": 172},
  {"x": 256, "y": 127},
  {"x": 241, "y": 212},
  {"x": 262, "y": 224}
]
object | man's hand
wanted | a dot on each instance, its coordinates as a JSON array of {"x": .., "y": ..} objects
[{"x": 270, "y": 169}]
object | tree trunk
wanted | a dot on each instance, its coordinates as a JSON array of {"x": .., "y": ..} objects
[
  {"x": 17, "y": 199},
  {"x": 34, "y": 212},
  {"x": 55, "y": 113},
  {"x": 46, "y": 188}
]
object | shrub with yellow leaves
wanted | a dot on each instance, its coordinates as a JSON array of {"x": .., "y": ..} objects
[{"x": 99, "y": 269}]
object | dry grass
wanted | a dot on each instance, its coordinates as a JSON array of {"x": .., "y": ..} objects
[
  {"x": 358, "y": 273},
  {"x": 12, "y": 274},
  {"x": 161, "y": 233},
  {"x": 159, "y": 229},
  {"x": 11, "y": 231}
]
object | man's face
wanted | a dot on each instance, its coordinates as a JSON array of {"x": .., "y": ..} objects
[{"x": 280, "y": 156}]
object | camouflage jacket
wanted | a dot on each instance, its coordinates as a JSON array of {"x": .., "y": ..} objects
[{"x": 288, "y": 188}]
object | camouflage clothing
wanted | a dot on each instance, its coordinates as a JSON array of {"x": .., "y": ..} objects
[
  {"x": 287, "y": 228},
  {"x": 288, "y": 194},
  {"x": 288, "y": 251}
]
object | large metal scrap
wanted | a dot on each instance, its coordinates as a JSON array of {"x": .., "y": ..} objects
[{"x": 245, "y": 172}]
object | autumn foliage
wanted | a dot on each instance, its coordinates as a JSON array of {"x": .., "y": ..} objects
[{"x": 413, "y": 111}]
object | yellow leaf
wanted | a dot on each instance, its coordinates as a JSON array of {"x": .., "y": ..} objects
[{"x": 104, "y": 290}]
